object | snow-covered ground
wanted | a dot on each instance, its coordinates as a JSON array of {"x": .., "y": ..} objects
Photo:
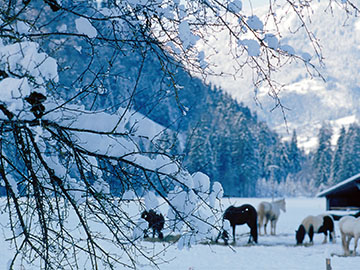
[{"x": 271, "y": 252}]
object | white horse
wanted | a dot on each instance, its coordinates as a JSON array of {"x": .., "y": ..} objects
[
  {"x": 270, "y": 212},
  {"x": 349, "y": 228}
]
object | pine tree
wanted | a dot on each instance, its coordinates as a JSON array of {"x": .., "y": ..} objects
[
  {"x": 266, "y": 141},
  {"x": 323, "y": 156},
  {"x": 294, "y": 155},
  {"x": 199, "y": 149},
  {"x": 351, "y": 153},
  {"x": 248, "y": 160},
  {"x": 336, "y": 170}
]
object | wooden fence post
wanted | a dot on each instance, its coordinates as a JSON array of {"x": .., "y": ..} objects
[{"x": 328, "y": 264}]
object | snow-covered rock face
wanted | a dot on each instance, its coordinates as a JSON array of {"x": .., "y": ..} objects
[{"x": 310, "y": 100}]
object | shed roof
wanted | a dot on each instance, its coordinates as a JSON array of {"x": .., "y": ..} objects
[{"x": 347, "y": 184}]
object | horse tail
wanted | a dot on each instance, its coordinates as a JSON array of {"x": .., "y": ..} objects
[
  {"x": 343, "y": 241},
  {"x": 332, "y": 232},
  {"x": 254, "y": 233},
  {"x": 254, "y": 228},
  {"x": 261, "y": 213}
]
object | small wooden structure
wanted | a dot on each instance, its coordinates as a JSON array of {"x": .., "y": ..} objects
[{"x": 344, "y": 195}]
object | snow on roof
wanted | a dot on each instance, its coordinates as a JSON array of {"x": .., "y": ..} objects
[{"x": 329, "y": 190}]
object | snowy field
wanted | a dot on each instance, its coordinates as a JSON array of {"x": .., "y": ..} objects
[{"x": 271, "y": 252}]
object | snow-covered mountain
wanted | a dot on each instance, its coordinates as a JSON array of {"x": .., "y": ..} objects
[{"x": 310, "y": 101}]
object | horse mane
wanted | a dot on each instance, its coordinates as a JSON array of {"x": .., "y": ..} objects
[{"x": 300, "y": 234}]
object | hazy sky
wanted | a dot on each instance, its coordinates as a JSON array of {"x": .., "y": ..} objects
[{"x": 254, "y": 3}]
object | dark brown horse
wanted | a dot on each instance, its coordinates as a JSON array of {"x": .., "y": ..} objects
[
  {"x": 244, "y": 214},
  {"x": 156, "y": 222}
]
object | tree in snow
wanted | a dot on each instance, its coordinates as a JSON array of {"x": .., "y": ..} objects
[
  {"x": 294, "y": 155},
  {"x": 63, "y": 143},
  {"x": 350, "y": 157},
  {"x": 336, "y": 169},
  {"x": 323, "y": 156}
]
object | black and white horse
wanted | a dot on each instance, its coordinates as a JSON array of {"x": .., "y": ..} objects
[
  {"x": 244, "y": 214},
  {"x": 156, "y": 222},
  {"x": 316, "y": 224}
]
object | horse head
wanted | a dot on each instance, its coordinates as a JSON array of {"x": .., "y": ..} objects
[
  {"x": 283, "y": 205},
  {"x": 300, "y": 234}
]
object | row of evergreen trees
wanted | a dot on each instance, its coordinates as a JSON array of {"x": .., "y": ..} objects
[
  {"x": 229, "y": 144},
  {"x": 333, "y": 164}
]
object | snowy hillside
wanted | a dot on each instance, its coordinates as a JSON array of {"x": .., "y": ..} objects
[{"x": 310, "y": 100}]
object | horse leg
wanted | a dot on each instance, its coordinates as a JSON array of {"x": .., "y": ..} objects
[
  {"x": 260, "y": 224},
  {"x": 234, "y": 233},
  {"x": 224, "y": 235},
  {"x": 311, "y": 233},
  {"x": 265, "y": 224},
  {"x": 344, "y": 243},
  {"x": 253, "y": 233},
  {"x": 273, "y": 224},
  {"x": 348, "y": 240},
  {"x": 325, "y": 237},
  {"x": 160, "y": 234},
  {"x": 356, "y": 238},
  {"x": 217, "y": 238},
  {"x": 333, "y": 236}
]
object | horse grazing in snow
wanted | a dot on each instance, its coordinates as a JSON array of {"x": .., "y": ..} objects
[
  {"x": 244, "y": 214},
  {"x": 316, "y": 224},
  {"x": 270, "y": 212},
  {"x": 156, "y": 222},
  {"x": 349, "y": 228}
]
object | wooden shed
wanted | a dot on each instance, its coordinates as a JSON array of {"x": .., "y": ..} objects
[{"x": 344, "y": 195}]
